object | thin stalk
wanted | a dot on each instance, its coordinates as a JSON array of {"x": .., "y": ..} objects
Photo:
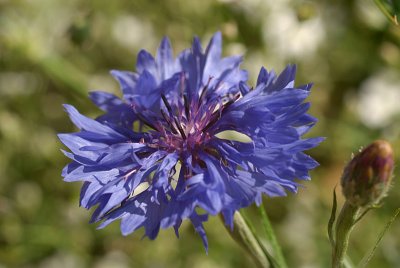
[{"x": 369, "y": 256}]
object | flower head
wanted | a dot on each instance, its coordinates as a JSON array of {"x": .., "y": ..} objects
[
  {"x": 154, "y": 156},
  {"x": 366, "y": 178}
]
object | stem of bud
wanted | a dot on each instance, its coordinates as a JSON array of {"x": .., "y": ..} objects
[{"x": 344, "y": 225}]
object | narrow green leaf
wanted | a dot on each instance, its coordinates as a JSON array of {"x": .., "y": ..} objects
[
  {"x": 367, "y": 258},
  {"x": 332, "y": 219},
  {"x": 271, "y": 259},
  {"x": 390, "y": 9},
  {"x": 271, "y": 237}
]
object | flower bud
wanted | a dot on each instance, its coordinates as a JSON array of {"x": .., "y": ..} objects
[{"x": 367, "y": 177}]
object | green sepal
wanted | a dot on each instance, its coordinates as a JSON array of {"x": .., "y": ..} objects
[{"x": 332, "y": 218}]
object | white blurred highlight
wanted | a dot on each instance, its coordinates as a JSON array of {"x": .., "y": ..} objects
[{"x": 378, "y": 100}]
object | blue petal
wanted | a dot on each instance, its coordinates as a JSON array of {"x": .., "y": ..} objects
[
  {"x": 284, "y": 80},
  {"x": 126, "y": 80},
  {"x": 146, "y": 62},
  {"x": 85, "y": 123},
  {"x": 118, "y": 112},
  {"x": 162, "y": 174},
  {"x": 83, "y": 173},
  {"x": 146, "y": 93},
  {"x": 76, "y": 143},
  {"x": 87, "y": 191},
  {"x": 265, "y": 78},
  {"x": 213, "y": 53},
  {"x": 131, "y": 222},
  {"x": 197, "y": 221},
  {"x": 105, "y": 101},
  {"x": 228, "y": 217},
  {"x": 164, "y": 59}
]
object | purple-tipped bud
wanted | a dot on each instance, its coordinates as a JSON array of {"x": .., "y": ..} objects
[{"x": 366, "y": 178}]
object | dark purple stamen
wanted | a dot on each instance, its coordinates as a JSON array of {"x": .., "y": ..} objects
[
  {"x": 204, "y": 90},
  {"x": 143, "y": 119},
  {"x": 186, "y": 104},
  {"x": 178, "y": 125},
  {"x": 172, "y": 128}
]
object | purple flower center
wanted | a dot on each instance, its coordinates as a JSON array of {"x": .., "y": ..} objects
[{"x": 183, "y": 122}]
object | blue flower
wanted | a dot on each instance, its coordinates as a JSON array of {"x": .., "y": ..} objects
[{"x": 154, "y": 158}]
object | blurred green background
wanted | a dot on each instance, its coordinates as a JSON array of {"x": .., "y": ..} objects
[{"x": 53, "y": 52}]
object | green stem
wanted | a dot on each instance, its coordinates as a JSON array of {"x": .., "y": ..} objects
[
  {"x": 344, "y": 225},
  {"x": 243, "y": 235}
]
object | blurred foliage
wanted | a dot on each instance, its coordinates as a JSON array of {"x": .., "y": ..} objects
[{"x": 54, "y": 52}]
